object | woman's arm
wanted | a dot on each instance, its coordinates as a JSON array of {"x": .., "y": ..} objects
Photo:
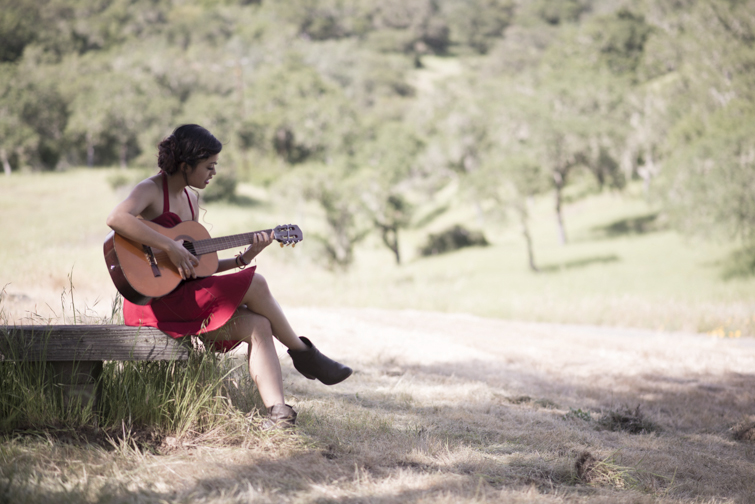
[
  {"x": 259, "y": 242},
  {"x": 123, "y": 220}
]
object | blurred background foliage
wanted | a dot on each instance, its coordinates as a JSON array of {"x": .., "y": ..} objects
[{"x": 373, "y": 107}]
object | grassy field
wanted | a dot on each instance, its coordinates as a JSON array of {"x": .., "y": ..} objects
[
  {"x": 622, "y": 267},
  {"x": 488, "y": 402}
]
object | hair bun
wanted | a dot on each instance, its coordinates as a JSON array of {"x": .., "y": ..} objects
[{"x": 168, "y": 155}]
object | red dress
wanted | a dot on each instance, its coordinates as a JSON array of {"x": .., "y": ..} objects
[{"x": 196, "y": 306}]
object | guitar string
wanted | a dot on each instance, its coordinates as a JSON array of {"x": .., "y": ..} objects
[{"x": 202, "y": 247}]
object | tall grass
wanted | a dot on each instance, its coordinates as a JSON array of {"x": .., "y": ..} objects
[
  {"x": 200, "y": 394},
  {"x": 169, "y": 397}
]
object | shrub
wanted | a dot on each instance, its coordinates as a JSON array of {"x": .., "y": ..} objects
[
  {"x": 452, "y": 239},
  {"x": 222, "y": 188}
]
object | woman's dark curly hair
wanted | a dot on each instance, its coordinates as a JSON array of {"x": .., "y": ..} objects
[{"x": 188, "y": 144}]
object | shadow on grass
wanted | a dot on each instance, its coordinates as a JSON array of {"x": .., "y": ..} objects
[
  {"x": 580, "y": 263},
  {"x": 368, "y": 449},
  {"x": 630, "y": 226},
  {"x": 690, "y": 449}
]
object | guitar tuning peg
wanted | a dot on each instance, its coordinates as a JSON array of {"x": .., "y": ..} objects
[
  {"x": 281, "y": 245},
  {"x": 293, "y": 245}
]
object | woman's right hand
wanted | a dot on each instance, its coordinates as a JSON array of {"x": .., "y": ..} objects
[{"x": 184, "y": 260}]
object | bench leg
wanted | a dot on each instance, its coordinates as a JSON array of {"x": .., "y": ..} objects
[{"x": 79, "y": 380}]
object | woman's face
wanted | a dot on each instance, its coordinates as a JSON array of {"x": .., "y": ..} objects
[{"x": 200, "y": 176}]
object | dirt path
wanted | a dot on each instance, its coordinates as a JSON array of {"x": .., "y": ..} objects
[{"x": 568, "y": 362}]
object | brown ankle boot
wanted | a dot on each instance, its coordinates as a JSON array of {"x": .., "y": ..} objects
[
  {"x": 312, "y": 364},
  {"x": 279, "y": 416}
]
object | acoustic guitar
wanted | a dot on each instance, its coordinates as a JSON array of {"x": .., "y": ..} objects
[{"x": 141, "y": 273}]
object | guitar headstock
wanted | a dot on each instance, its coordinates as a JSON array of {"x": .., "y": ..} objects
[{"x": 288, "y": 234}]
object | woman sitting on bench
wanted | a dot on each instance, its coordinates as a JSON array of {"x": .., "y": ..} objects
[{"x": 224, "y": 310}]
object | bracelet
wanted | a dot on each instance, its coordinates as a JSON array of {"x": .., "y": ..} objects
[{"x": 240, "y": 258}]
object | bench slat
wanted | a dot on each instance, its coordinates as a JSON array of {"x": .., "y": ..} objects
[{"x": 89, "y": 342}]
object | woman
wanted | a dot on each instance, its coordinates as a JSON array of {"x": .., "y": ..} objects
[{"x": 223, "y": 309}]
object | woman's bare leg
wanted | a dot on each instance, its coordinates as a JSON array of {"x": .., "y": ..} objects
[
  {"x": 264, "y": 366},
  {"x": 259, "y": 299},
  {"x": 307, "y": 359}
]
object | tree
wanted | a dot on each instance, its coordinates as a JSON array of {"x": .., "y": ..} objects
[
  {"x": 18, "y": 28},
  {"x": 483, "y": 136},
  {"x": 710, "y": 148},
  {"x": 332, "y": 187},
  {"x": 477, "y": 23},
  {"x": 577, "y": 113},
  {"x": 88, "y": 104},
  {"x": 300, "y": 115},
  {"x": 15, "y": 136},
  {"x": 33, "y": 117},
  {"x": 389, "y": 166},
  {"x": 509, "y": 180}
]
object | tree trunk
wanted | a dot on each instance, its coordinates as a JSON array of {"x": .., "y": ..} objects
[
  {"x": 23, "y": 160},
  {"x": 390, "y": 238},
  {"x": 524, "y": 223},
  {"x": 90, "y": 150},
  {"x": 646, "y": 172},
  {"x": 6, "y": 163},
  {"x": 480, "y": 213},
  {"x": 123, "y": 153},
  {"x": 240, "y": 87},
  {"x": 559, "y": 180}
]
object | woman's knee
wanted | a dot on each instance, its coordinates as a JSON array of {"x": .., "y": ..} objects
[
  {"x": 259, "y": 286},
  {"x": 260, "y": 326}
]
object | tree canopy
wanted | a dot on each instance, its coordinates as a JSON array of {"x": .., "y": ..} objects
[{"x": 521, "y": 96}]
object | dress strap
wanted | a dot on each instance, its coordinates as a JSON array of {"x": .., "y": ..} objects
[
  {"x": 190, "y": 205},
  {"x": 166, "y": 202}
]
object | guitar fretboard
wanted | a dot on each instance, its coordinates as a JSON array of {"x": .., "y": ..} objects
[{"x": 225, "y": 242}]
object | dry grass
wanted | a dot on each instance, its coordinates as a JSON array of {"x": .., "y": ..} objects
[
  {"x": 450, "y": 408},
  {"x": 628, "y": 420},
  {"x": 744, "y": 431}
]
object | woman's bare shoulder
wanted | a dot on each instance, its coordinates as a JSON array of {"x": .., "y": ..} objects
[
  {"x": 145, "y": 196},
  {"x": 155, "y": 182},
  {"x": 151, "y": 186}
]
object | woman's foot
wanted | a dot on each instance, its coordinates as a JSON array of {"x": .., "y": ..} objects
[
  {"x": 312, "y": 364},
  {"x": 279, "y": 416}
]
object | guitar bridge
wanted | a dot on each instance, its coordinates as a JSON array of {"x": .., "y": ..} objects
[{"x": 150, "y": 255}]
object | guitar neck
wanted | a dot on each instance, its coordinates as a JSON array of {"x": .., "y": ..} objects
[{"x": 225, "y": 242}]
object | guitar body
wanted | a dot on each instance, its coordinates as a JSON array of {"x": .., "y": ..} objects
[
  {"x": 140, "y": 276},
  {"x": 141, "y": 273}
]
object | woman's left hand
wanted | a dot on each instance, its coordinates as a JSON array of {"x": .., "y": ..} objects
[{"x": 259, "y": 242}]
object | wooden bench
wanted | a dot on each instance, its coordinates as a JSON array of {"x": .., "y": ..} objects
[{"x": 76, "y": 353}]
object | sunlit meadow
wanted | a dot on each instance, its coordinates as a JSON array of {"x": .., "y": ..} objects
[
  {"x": 622, "y": 267},
  {"x": 457, "y": 395}
]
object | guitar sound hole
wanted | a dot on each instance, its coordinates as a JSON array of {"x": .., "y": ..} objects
[{"x": 190, "y": 247}]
